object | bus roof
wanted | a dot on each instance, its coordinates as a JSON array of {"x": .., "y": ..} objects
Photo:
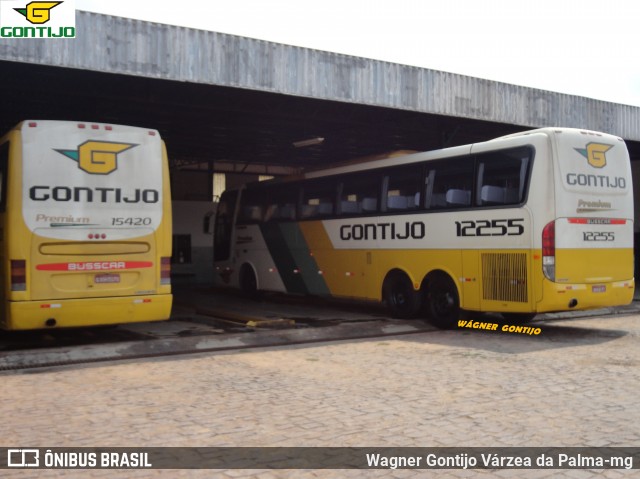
[
  {"x": 439, "y": 154},
  {"x": 551, "y": 131},
  {"x": 391, "y": 161},
  {"x": 26, "y": 125}
]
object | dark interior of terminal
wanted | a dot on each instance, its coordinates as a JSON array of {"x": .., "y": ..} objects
[{"x": 210, "y": 128}]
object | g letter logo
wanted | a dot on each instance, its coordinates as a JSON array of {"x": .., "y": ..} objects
[
  {"x": 37, "y": 12},
  {"x": 595, "y": 153},
  {"x": 97, "y": 157}
]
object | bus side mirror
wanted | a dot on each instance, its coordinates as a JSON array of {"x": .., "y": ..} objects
[{"x": 206, "y": 223}]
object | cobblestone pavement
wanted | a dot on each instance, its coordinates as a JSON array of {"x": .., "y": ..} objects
[{"x": 575, "y": 384}]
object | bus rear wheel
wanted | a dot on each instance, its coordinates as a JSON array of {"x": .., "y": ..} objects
[
  {"x": 400, "y": 297},
  {"x": 443, "y": 302}
]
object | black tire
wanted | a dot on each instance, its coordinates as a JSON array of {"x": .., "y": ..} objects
[
  {"x": 402, "y": 300},
  {"x": 248, "y": 281},
  {"x": 518, "y": 318},
  {"x": 443, "y": 302}
]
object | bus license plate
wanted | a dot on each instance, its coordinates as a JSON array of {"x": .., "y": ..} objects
[
  {"x": 107, "y": 278},
  {"x": 598, "y": 288}
]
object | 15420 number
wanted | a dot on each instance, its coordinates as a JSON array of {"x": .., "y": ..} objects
[
  {"x": 506, "y": 227},
  {"x": 130, "y": 221}
]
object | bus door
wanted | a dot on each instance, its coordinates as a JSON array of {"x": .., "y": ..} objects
[{"x": 223, "y": 231}]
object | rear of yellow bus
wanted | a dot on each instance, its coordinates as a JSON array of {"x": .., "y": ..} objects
[
  {"x": 587, "y": 251},
  {"x": 87, "y": 226}
]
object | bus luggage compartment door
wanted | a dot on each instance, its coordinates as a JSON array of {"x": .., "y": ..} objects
[{"x": 91, "y": 269}]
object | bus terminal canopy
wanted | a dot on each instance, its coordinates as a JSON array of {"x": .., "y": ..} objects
[{"x": 225, "y": 103}]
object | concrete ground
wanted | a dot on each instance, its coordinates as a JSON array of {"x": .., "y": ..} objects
[{"x": 577, "y": 383}]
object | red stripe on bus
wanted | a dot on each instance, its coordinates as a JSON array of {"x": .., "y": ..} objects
[
  {"x": 94, "y": 266},
  {"x": 596, "y": 221}
]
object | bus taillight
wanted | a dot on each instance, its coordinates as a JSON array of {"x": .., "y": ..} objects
[
  {"x": 549, "y": 251},
  {"x": 165, "y": 270},
  {"x": 18, "y": 275}
]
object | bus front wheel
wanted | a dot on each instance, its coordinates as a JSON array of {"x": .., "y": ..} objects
[
  {"x": 400, "y": 297},
  {"x": 443, "y": 302}
]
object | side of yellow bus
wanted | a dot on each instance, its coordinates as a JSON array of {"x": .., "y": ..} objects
[{"x": 484, "y": 243}]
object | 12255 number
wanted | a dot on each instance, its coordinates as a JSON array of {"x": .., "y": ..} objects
[{"x": 506, "y": 227}]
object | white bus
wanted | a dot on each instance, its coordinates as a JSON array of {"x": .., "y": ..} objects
[
  {"x": 528, "y": 223},
  {"x": 85, "y": 223}
]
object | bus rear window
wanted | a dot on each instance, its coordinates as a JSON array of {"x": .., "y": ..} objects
[{"x": 502, "y": 176}]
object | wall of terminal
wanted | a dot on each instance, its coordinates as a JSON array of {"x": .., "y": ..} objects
[{"x": 132, "y": 47}]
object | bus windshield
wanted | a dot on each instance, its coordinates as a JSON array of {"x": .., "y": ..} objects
[{"x": 77, "y": 181}]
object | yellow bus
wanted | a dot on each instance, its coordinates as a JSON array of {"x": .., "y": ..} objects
[
  {"x": 85, "y": 218},
  {"x": 528, "y": 223}
]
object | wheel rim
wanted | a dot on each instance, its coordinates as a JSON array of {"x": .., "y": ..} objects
[
  {"x": 443, "y": 301},
  {"x": 399, "y": 297}
]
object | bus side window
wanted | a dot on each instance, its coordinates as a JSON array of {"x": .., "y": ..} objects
[
  {"x": 251, "y": 207},
  {"x": 502, "y": 176},
  {"x": 318, "y": 199},
  {"x": 359, "y": 194},
  {"x": 403, "y": 188},
  {"x": 431, "y": 200},
  {"x": 449, "y": 183},
  {"x": 280, "y": 203}
]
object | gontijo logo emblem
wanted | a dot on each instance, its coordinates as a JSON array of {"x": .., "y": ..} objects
[
  {"x": 37, "y": 12},
  {"x": 97, "y": 157},
  {"x": 595, "y": 153},
  {"x": 21, "y": 19}
]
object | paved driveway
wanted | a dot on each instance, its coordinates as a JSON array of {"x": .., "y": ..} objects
[{"x": 577, "y": 383}]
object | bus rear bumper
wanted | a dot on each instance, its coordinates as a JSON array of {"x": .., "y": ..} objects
[
  {"x": 568, "y": 297},
  {"x": 70, "y": 313}
]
